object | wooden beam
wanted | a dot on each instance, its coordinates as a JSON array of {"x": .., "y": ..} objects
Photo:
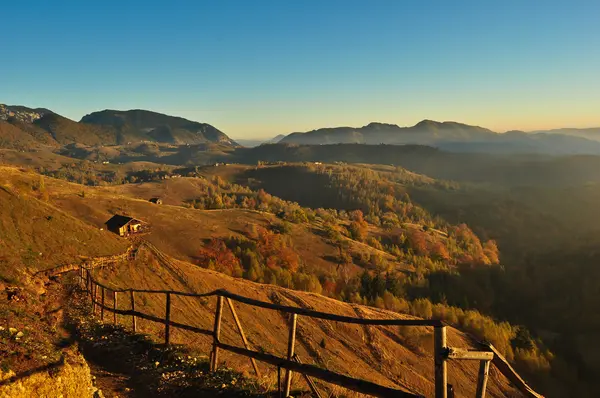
[
  {"x": 441, "y": 371},
  {"x": 504, "y": 367},
  {"x": 133, "y": 320},
  {"x": 296, "y": 310},
  {"x": 216, "y": 334},
  {"x": 331, "y": 317},
  {"x": 311, "y": 384},
  {"x": 242, "y": 334},
  {"x": 88, "y": 285},
  {"x": 151, "y": 318},
  {"x": 351, "y": 383},
  {"x": 168, "y": 319},
  {"x": 290, "y": 354},
  {"x": 94, "y": 287},
  {"x": 484, "y": 370},
  {"x": 459, "y": 353}
]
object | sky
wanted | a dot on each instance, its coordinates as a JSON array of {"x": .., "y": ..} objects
[{"x": 255, "y": 69}]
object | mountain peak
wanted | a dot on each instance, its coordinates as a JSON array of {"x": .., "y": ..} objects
[
  {"x": 379, "y": 125},
  {"x": 428, "y": 123}
]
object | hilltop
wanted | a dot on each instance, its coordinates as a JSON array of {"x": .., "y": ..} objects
[{"x": 157, "y": 127}]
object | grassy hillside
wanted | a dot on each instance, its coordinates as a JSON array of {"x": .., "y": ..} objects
[
  {"x": 394, "y": 357},
  {"x": 156, "y": 126},
  {"x": 35, "y": 235},
  {"x": 66, "y": 131},
  {"x": 394, "y": 254},
  {"x": 14, "y": 138}
]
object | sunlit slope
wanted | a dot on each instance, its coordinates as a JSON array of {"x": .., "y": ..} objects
[
  {"x": 389, "y": 356},
  {"x": 181, "y": 231},
  {"x": 392, "y": 356},
  {"x": 35, "y": 235},
  {"x": 177, "y": 230}
]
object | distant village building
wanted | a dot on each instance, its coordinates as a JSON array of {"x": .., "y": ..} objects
[
  {"x": 158, "y": 201},
  {"x": 124, "y": 225}
]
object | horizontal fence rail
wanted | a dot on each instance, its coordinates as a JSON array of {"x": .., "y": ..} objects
[{"x": 442, "y": 353}]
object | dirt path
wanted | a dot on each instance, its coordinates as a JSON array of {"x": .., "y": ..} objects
[{"x": 111, "y": 384}]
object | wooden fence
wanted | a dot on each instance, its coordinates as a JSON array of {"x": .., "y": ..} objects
[{"x": 291, "y": 363}]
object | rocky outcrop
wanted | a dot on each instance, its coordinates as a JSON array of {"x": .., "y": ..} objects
[
  {"x": 69, "y": 378},
  {"x": 26, "y": 116}
]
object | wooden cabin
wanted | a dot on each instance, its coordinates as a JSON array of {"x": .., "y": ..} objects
[
  {"x": 158, "y": 201},
  {"x": 124, "y": 225}
]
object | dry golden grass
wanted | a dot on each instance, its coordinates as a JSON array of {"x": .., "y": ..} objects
[{"x": 380, "y": 354}]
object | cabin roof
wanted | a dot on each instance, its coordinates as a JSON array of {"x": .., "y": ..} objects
[{"x": 118, "y": 221}]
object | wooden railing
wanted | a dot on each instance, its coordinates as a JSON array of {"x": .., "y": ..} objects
[{"x": 291, "y": 363}]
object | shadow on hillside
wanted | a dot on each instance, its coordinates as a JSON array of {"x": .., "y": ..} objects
[
  {"x": 144, "y": 368},
  {"x": 50, "y": 368}
]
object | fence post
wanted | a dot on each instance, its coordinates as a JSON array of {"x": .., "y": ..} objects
[
  {"x": 290, "y": 354},
  {"x": 216, "y": 333},
  {"x": 133, "y": 321},
  {"x": 88, "y": 285},
  {"x": 311, "y": 384},
  {"x": 168, "y": 319},
  {"x": 484, "y": 369},
  {"x": 94, "y": 288},
  {"x": 242, "y": 334},
  {"x": 115, "y": 307},
  {"x": 441, "y": 371},
  {"x": 102, "y": 304}
]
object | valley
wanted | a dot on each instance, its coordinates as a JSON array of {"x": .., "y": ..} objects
[{"x": 395, "y": 230}]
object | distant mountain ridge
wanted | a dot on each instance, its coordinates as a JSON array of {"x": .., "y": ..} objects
[
  {"x": 27, "y": 128},
  {"x": 22, "y": 127},
  {"x": 426, "y": 132},
  {"x": 592, "y": 133},
  {"x": 454, "y": 136}
]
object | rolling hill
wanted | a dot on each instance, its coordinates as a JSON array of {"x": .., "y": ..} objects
[
  {"x": 183, "y": 231},
  {"x": 504, "y": 169},
  {"x": 156, "y": 127},
  {"x": 367, "y": 352},
  {"x": 592, "y": 133}
]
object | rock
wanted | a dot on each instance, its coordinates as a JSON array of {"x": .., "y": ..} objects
[
  {"x": 98, "y": 394},
  {"x": 12, "y": 331},
  {"x": 19, "y": 335}
]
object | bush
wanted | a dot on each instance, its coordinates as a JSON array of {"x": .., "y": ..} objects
[{"x": 282, "y": 228}]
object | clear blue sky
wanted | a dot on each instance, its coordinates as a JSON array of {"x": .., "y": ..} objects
[{"x": 260, "y": 68}]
